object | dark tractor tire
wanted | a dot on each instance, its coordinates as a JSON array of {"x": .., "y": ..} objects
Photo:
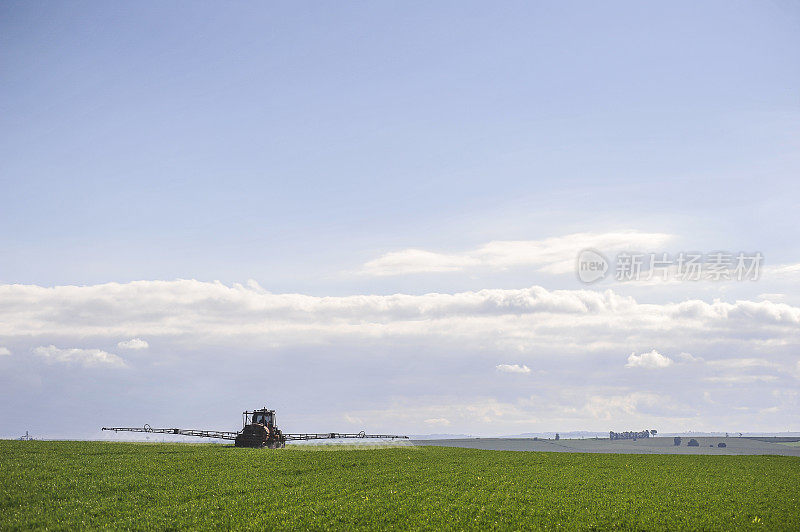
[
  {"x": 248, "y": 441},
  {"x": 255, "y": 436}
]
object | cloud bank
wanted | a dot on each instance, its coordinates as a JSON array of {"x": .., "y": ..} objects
[
  {"x": 513, "y": 368},
  {"x": 89, "y": 358},
  {"x": 551, "y": 255},
  {"x": 426, "y": 357},
  {"x": 134, "y": 343},
  {"x": 652, "y": 360},
  {"x": 521, "y": 320}
]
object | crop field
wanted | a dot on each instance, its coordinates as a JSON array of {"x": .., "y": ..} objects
[
  {"x": 707, "y": 445},
  {"x": 77, "y": 485}
]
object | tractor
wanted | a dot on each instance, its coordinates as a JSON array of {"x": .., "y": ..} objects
[{"x": 258, "y": 431}]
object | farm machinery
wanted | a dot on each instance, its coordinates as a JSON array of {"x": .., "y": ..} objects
[{"x": 259, "y": 430}]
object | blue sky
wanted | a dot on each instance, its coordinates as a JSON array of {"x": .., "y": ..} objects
[{"x": 293, "y": 145}]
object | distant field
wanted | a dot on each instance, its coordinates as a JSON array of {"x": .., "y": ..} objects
[
  {"x": 707, "y": 445},
  {"x": 77, "y": 485}
]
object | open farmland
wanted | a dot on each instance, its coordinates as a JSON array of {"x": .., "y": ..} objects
[
  {"x": 75, "y": 485},
  {"x": 707, "y": 445}
]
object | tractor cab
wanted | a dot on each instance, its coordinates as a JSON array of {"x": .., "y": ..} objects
[{"x": 261, "y": 417}]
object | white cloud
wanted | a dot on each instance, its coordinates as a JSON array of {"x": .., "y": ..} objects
[
  {"x": 89, "y": 358},
  {"x": 513, "y": 368},
  {"x": 772, "y": 297},
  {"x": 741, "y": 379},
  {"x": 133, "y": 343},
  {"x": 782, "y": 271},
  {"x": 743, "y": 363},
  {"x": 438, "y": 421},
  {"x": 521, "y": 320},
  {"x": 610, "y": 407},
  {"x": 551, "y": 255},
  {"x": 652, "y": 360},
  {"x": 417, "y": 261},
  {"x": 4, "y": 351},
  {"x": 688, "y": 358}
]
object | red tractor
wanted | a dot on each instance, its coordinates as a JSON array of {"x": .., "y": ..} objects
[{"x": 259, "y": 430}]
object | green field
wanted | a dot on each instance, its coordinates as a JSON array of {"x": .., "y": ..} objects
[{"x": 76, "y": 485}]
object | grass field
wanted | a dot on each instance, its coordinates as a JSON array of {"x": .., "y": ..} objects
[{"x": 75, "y": 485}]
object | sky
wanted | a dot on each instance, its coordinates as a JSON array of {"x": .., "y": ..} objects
[{"x": 369, "y": 216}]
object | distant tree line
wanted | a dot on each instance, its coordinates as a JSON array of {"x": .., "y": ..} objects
[{"x": 631, "y": 435}]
